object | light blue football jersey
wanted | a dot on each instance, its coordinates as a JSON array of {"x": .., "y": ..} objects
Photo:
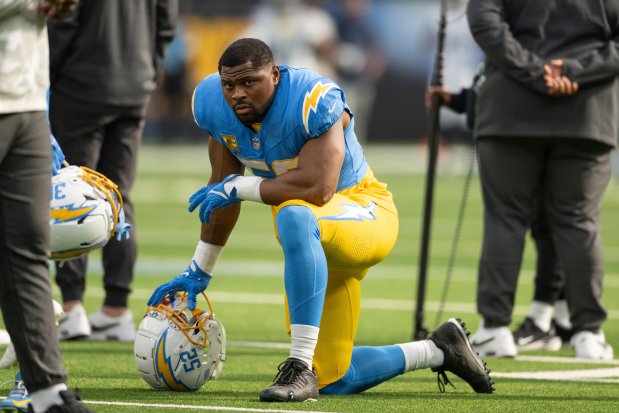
[{"x": 305, "y": 106}]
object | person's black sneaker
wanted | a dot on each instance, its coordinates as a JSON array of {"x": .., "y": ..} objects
[
  {"x": 294, "y": 382},
  {"x": 564, "y": 333},
  {"x": 528, "y": 336},
  {"x": 71, "y": 404},
  {"x": 460, "y": 359}
]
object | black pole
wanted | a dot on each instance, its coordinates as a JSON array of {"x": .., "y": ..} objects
[{"x": 420, "y": 332}]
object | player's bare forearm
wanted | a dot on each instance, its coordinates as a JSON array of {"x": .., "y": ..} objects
[
  {"x": 223, "y": 163},
  {"x": 317, "y": 173},
  {"x": 222, "y": 223},
  {"x": 297, "y": 184}
]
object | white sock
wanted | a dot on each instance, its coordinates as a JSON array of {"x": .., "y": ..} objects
[
  {"x": 45, "y": 398},
  {"x": 303, "y": 342},
  {"x": 421, "y": 354},
  {"x": 562, "y": 314},
  {"x": 541, "y": 313}
]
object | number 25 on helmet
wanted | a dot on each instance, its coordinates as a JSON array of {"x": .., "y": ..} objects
[
  {"x": 178, "y": 349},
  {"x": 84, "y": 212}
]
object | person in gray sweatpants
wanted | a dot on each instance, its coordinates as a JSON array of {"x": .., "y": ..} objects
[
  {"x": 25, "y": 181},
  {"x": 547, "y": 120}
]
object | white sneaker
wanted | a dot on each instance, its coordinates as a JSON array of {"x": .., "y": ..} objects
[
  {"x": 74, "y": 324},
  {"x": 58, "y": 311},
  {"x": 494, "y": 342},
  {"x": 9, "y": 359},
  {"x": 589, "y": 345},
  {"x": 106, "y": 328},
  {"x": 4, "y": 337}
]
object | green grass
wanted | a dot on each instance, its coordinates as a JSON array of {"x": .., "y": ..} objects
[{"x": 247, "y": 295}]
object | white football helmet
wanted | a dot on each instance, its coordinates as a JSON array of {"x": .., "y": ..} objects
[
  {"x": 177, "y": 349},
  {"x": 84, "y": 212}
]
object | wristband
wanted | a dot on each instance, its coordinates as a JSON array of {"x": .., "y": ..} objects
[
  {"x": 247, "y": 188},
  {"x": 206, "y": 256}
]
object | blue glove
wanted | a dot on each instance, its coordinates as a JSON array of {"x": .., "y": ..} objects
[
  {"x": 193, "y": 281},
  {"x": 123, "y": 228},
  {"x": 213, "y": 197},
  {"x": 57, "y": 155}
]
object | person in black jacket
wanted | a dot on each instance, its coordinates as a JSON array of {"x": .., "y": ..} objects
[
  {"x": 546, "y": 122},
  {"x": 104, "y": 64},
  {"x": 539, "y": 330}
]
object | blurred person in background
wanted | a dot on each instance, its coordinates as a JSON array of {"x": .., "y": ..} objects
[
  {"x": 105, "y": 62},
  {"x": 546, "y": 122},
  {"x": 301, "y": 33},
  {"x": 334, "y": 220},
  {"x": 25, "y": 178},
  {"x": 169, "y": 115},
  {"x": 358, "y": 59}
]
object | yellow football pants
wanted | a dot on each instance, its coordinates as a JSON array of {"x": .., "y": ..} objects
[{"x": 352, "y": 245}]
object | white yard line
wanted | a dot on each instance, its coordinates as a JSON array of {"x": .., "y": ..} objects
[
  {"x": 261, "y": 268},
  {"x": 608, "y": 375},
  {"x": 565, "y": 360},
  {"x": 260, "y": 344},
  {"x": 366, "y": 303},
  {"x": 190, "y": 407}
]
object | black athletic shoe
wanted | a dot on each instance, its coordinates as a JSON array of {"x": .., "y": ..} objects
[
  {"x": 460, "y": 359},
  {"x": 528, "y": 336},
  {"x": 564, "y": 333},
  {"x": 71, "y": 404},
  {"x": 294, "y": 382}
]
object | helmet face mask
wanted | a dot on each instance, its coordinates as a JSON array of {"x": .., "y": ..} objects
[
  {"x": 84, "y": 212},
  {"x": 177, "y": 349}
]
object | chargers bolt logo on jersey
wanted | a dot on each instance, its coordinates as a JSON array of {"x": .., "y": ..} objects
[{"x": 310, "y": 103}]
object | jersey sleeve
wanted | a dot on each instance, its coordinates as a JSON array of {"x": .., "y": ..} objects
[
  {"x": 323, "y": 104},
  {"x": 199, "y": 101}
]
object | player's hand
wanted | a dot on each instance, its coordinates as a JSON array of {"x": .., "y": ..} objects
[
  {"x": 58, "y": 9},
  {"x": 123, "y": 228},
  {"x": 213, "y": 197},
  {"x": 57, "y": 155},
  {"x": 193, "y": 281}
]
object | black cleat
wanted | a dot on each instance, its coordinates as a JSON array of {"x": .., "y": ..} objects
[
  {"x": 295, "y": 382},
  {"x": 460, "y": 359},
  {"x": 528, "y": 336},
  {"x": 71, "y": 404}
]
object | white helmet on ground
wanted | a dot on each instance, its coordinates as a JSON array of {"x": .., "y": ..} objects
[
  {"x": 84, "y": 211},
  {"x": 177, "y": 349}
]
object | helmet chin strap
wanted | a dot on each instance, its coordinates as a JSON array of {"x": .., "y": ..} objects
[{"x": 108, "y": 188}]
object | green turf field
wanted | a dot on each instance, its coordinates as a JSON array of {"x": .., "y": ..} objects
[{"x": 247, "y": 289}]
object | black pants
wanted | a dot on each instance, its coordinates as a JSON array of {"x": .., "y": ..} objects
[
  {"x": 25, "y": 291},
  {"x": 104, "y": 138},
  {"x": 549, "y": 279},
  {"x": 570, "y": 175}
]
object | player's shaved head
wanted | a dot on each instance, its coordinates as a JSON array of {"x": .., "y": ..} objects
[{"x": 246, "y": 49}]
